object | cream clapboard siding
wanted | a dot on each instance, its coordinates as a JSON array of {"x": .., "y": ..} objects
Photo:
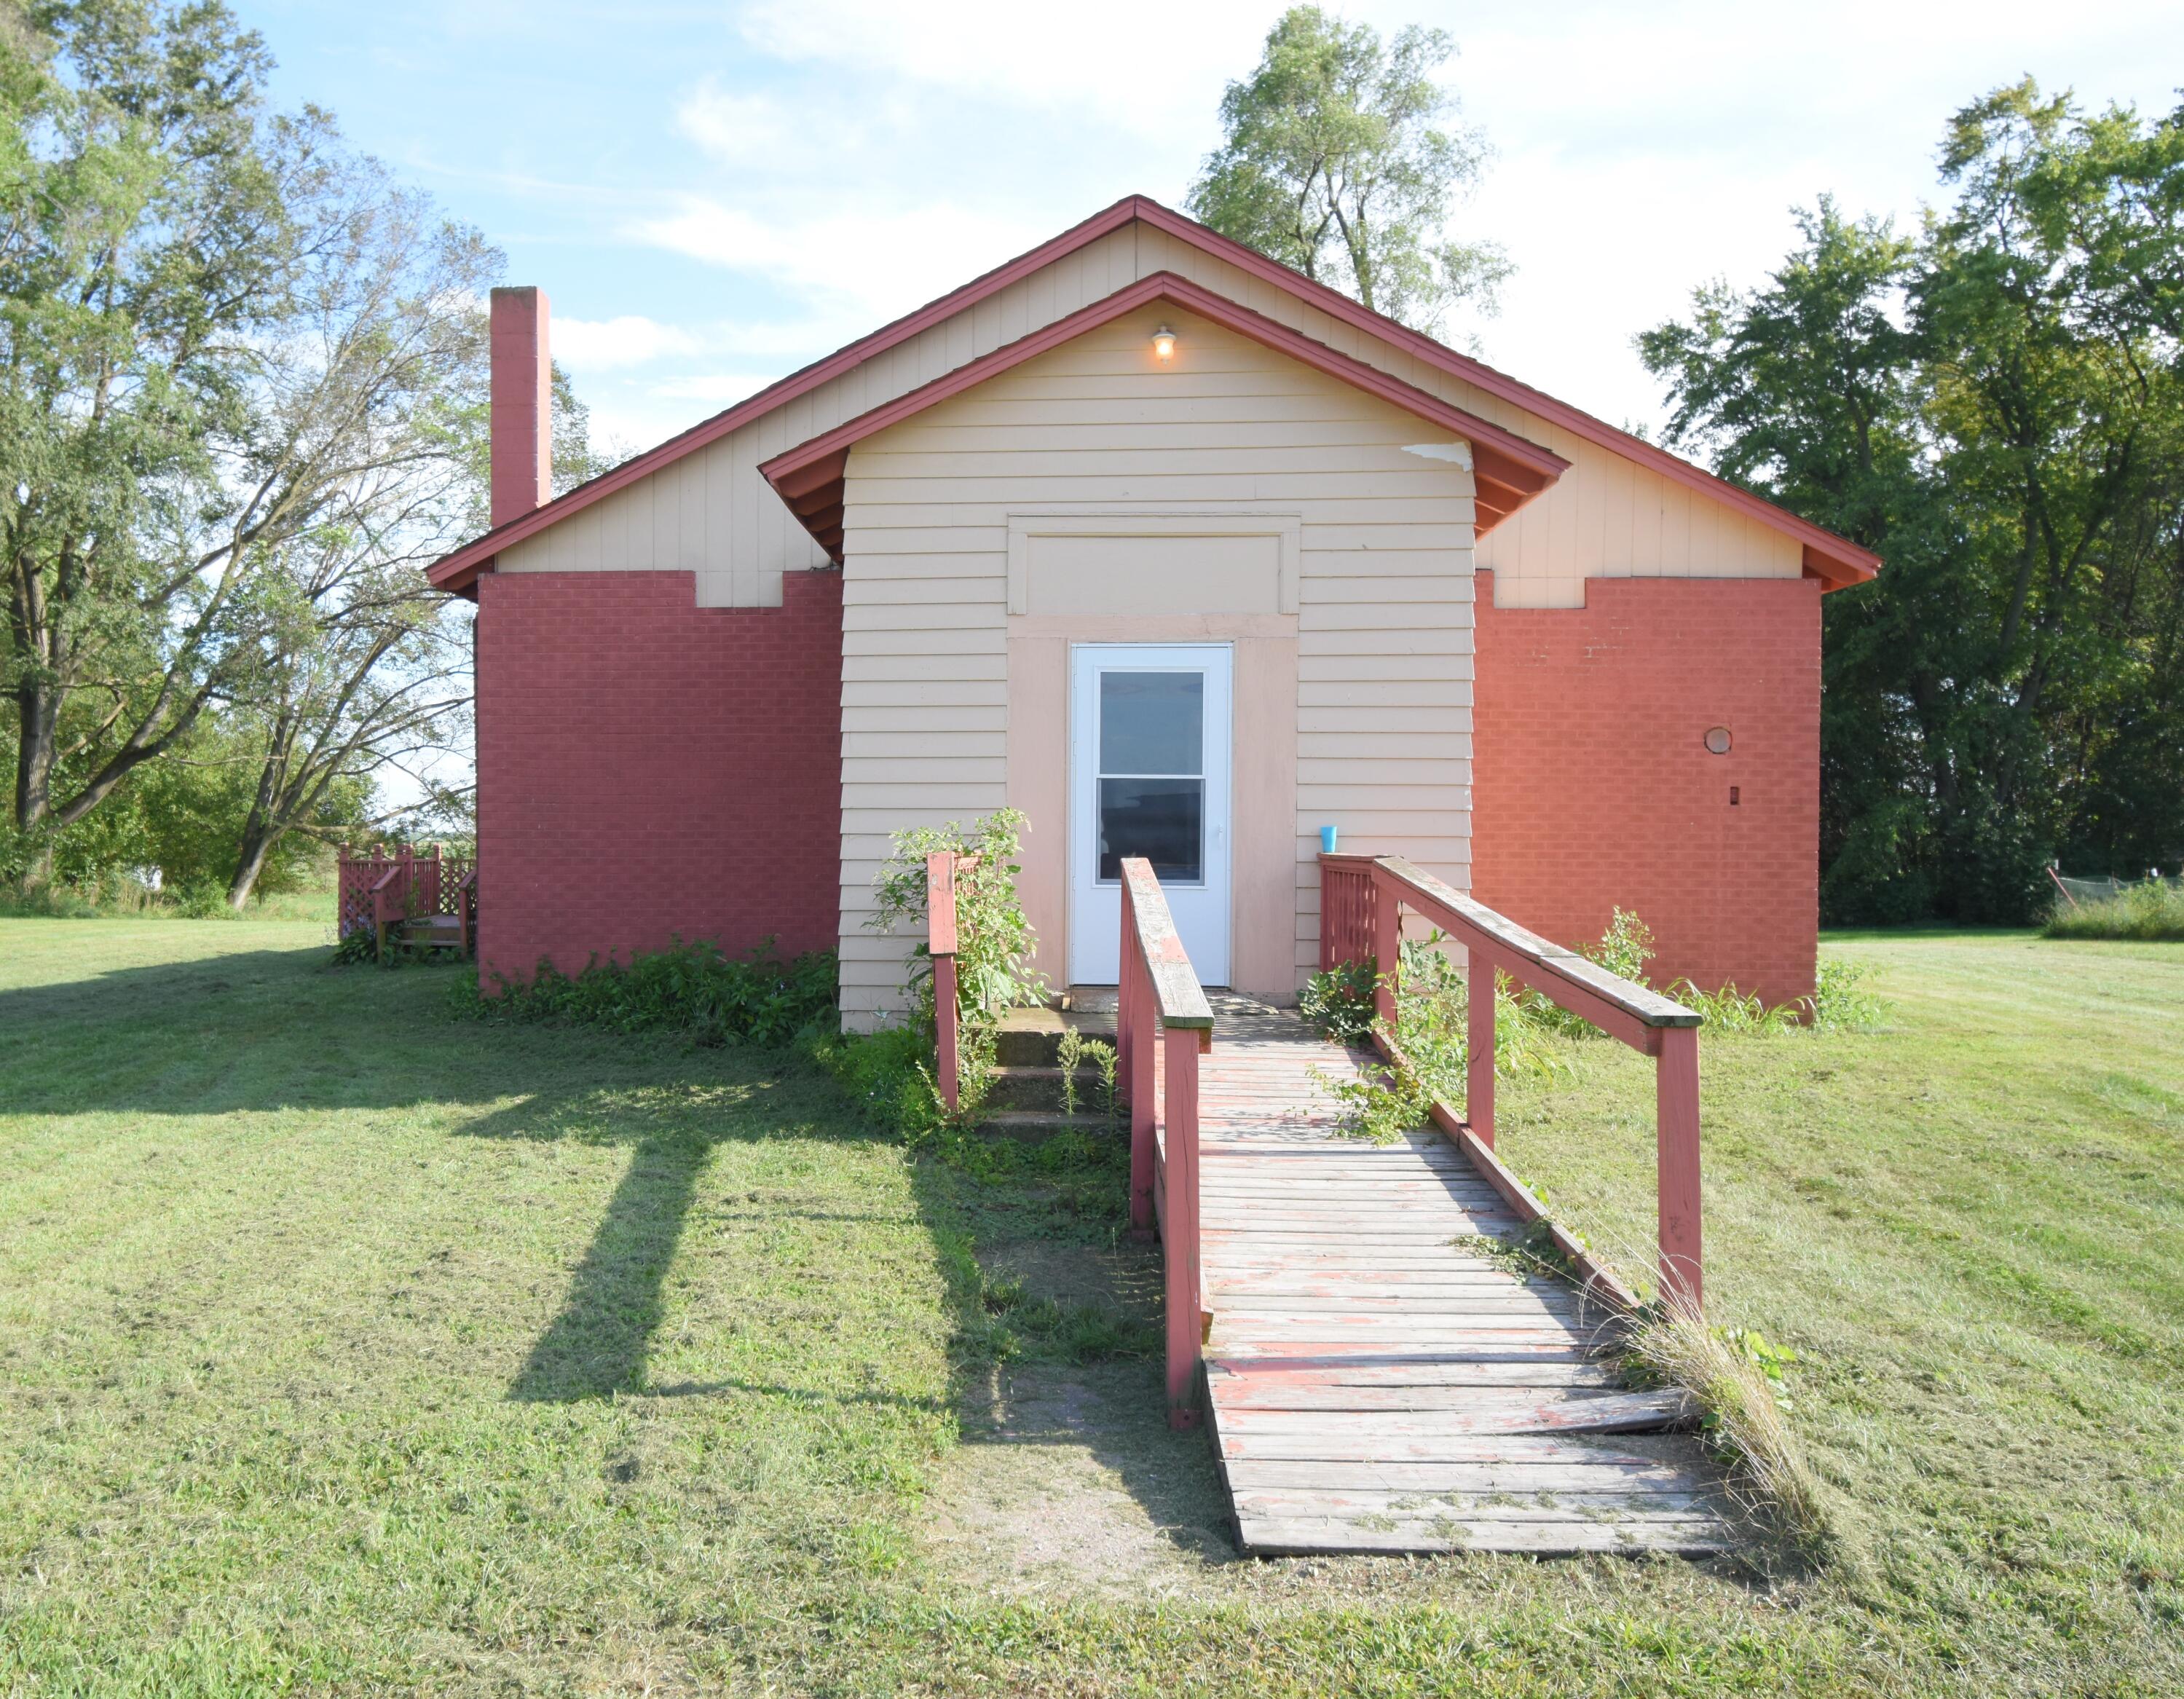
[
  {"x": 1607, "y": 517},
  {"x": 711, "y": 513},
  {"x": 1384, "y": 685}
]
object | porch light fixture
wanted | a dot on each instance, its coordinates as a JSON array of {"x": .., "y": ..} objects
[
  {"x": 1163, "y": 345},
  {"x": 1718, "y": 741}
]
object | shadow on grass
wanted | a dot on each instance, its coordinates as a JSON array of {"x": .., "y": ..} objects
[
  {"x": 597, "y": 1343},
  {"x": 255, "y": 1031}
]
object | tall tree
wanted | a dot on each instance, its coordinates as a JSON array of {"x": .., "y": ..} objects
[
  {"x": 1995, "y": 406},
  {"x": 359, "y": 663},
  {"x": 144, "y": 206},
  {"x": 1337, "y": 160},
  {"x": 240, "y": 379}
]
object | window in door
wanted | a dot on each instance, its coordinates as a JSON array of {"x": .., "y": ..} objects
[{"x": 1151, "y": 776}]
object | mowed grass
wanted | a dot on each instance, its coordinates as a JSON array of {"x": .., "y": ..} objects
[{"x": 345, "y": 1347}]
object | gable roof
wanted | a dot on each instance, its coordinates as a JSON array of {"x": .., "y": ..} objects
[
  {"x": 1827, "y": 556},
  {"x": 1507, "y": 470}
]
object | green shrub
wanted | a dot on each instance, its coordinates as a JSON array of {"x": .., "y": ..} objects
[
  {"x": 887, "y": 1074},
  {"x": 1729, "y": 1010},
  {"x": 359, "y": 948},
  {"x": 1433, "y": 1004},
  {"x": 1338, "y": 1001},
  {"x": 2151, "y": 913},
  {"x": 1074, "y": 1052},
  {"x": 1841, "y": 1003},
  {"x": 993, "y": 945},
  {"x": 1624, "y": 950},
  {"x": 693, "y": 988},
  {"x": 994, "y": 938}
]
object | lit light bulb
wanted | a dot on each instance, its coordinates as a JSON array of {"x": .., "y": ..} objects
[{"x": 1163, "y": 345}]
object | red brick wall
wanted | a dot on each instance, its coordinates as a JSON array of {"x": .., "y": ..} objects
[
  {"x": 647, "y": 767},
  {"x": 1592, "y": 785}
]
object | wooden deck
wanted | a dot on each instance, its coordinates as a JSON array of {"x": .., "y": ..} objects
[{"x": 1373, "y": 1385}]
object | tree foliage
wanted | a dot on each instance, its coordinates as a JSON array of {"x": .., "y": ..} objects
[
  {"x": 1995, "y": 405},
  {"x": 1337, "y": 161},
  {"x": 242, "y": 401}
]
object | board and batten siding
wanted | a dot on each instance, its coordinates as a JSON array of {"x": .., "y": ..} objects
[
  {"x": 1096, "y": 428},
  {"x": 712, "y": 514}
]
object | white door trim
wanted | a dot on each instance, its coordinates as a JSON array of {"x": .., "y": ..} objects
[{"x": 1201, "y": 908}]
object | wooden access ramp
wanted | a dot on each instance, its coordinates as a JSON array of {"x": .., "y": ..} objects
[{"x": 1377, "y": 1381}]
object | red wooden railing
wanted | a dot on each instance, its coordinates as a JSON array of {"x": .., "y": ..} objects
[
  {"x": 1160, "y": 991},
  {"x": 1361, "y": 899},
  {"x": 940, "y": 869},
  {"x": 379, "y": 888}
]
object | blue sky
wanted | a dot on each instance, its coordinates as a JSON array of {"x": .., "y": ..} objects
[{"x": 713, "y": 195}]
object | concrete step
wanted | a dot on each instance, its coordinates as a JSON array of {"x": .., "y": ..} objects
[
  {"x": 1032, "y": 1038},
  {"x": 1015, "y": 1087},
  {"x": 1034, "y": 1125}
]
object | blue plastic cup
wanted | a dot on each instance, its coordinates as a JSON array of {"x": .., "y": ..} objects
[{"x": 1326, "y": 840}]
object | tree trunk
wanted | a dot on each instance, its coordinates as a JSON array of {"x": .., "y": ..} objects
[
  {"x": 258, "y": 842},
  {"x": 34, "y": 777}
]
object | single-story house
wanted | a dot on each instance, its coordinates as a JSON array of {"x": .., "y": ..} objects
[{"x": 1184, "y": 555}]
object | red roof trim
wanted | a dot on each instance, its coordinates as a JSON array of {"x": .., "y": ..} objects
[
  {"x": 808, "y": 477},
  {"x": 455, "y": 572},
  {"x": 1828, "y": 556},
  {"x": 1837, "y": 558}
]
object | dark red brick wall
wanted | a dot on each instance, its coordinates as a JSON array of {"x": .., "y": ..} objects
[
  {"x": 647, "y": 768},
  {"x": 1591, "y": 784}
]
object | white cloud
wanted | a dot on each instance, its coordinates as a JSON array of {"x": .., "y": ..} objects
[
  {"x": 594, "y": 345},
  {"x": 721, "y": 388},
  {"x": 832, "y": 164},
  {"x": 742, "y": 129},
  {"x": 861, "y": 268},
  {"x": 1142, "y": 63}
]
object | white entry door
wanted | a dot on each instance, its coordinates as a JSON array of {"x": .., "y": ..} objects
[{"x": 1149, "y": 730}]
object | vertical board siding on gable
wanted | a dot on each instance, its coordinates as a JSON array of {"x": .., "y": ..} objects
[{"x": 1384, "y": 622}]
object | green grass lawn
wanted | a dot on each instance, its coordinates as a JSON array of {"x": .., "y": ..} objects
[{"x": 348, "y": 1347}]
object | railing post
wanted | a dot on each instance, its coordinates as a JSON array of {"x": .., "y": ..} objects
[
  {"x": 1185, "y": 1318},
  {"x": 1133, "y": 1036},
  {"x": 1387, "y": 949},
  {"x": 1479, "y": 1044},
  {"x": 940, "y": 945},
  {"x": 1677, "y": 1091},
  {"x": 945, "y": 1017}
]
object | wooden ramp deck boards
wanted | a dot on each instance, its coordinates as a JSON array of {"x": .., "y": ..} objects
[{"x": 1373, "y": 1385}]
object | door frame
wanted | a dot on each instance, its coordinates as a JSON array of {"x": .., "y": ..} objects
[{"x": 1215, "y": 903}]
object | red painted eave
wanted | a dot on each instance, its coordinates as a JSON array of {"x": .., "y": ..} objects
[
  {"x": 1841, "y": 564},
  {"x": 1835, "y": 559}
]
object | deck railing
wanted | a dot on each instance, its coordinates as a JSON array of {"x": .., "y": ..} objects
[
  {"x": 940, "y": 869},
  {"x": 379, "y": 888},
  {"x": 1160, "y": 1001},
  {"x": 1362, "y": 900}
]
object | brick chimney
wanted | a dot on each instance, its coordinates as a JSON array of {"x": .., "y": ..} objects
[{"x": 522, "y": 423}]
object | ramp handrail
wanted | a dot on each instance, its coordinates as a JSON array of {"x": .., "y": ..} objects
[
  {"x": 1158, "y": 988},
  {"x": 1361, "y": 899},
  {"x": 942, "y": 940}
]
